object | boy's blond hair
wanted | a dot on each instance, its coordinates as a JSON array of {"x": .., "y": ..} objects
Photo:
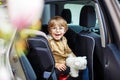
[{"x": 57, "y": 20}]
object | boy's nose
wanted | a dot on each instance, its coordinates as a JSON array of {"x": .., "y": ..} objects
[{"x": 57, "y": 29}]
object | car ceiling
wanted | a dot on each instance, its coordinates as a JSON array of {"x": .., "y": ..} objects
[{"x": 68, "y": 1}]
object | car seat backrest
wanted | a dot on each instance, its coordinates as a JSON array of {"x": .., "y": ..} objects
[
  {"x": 87, "y": 48},
  {"x": 82, "y": 45},
  {"x": 88, "y": 20},
  {"x": 40, "y": 55}
]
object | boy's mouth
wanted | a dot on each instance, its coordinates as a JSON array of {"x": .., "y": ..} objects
[{"x": 57, "y": 34}]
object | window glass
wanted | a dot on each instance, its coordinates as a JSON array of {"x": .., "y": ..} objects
[
  {"x": 75, "y": 10},
  {"x": 46, "y": 16}
]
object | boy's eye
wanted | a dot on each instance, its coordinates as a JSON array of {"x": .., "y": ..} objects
[
  {"x": 53, "y": 28},
  {"x": 61, "y": 28},
  {"x": 56, "y": 28}
]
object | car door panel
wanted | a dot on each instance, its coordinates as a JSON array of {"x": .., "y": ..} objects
[{"x": 111, "y": 62}]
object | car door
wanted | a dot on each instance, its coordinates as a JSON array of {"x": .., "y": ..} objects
[{"x": 110, "y": 37}]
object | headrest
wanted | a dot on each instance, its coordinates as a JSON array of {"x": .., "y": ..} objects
[
  {"x": 66, "y": 14},
  {"x": 87, "y": 16}
]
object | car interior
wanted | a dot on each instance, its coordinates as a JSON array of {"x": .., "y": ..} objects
[
  {"x": 84, "y": 37},
  {"x": 80, "y": 37}
]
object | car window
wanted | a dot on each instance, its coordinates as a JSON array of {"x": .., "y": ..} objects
[
  {"x": 75, "y": 9},
  {"x": 75, "y": 12}
]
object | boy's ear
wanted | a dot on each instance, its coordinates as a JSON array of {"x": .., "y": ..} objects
[{"x": 66, "y": 30}]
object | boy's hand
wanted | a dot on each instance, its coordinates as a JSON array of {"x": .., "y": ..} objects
[{"x": 60, "y": 67}]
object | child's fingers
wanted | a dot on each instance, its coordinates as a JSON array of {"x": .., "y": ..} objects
[{"x": 63, "y": 67}]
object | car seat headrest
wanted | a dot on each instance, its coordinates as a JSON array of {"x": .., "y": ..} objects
[
  {"x": 87, "y": 16},
  {"x": 66, "y": 14}
]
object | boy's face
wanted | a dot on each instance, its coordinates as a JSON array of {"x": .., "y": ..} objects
[{"x": 57, "y": 32}]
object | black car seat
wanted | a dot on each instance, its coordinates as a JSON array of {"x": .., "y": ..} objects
[
  {"x": 40, "y": 56},
  {"x": 88, "y": 21},
  {"x": 82, "y": 45},
  {"x": 75, "y": 40}
]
